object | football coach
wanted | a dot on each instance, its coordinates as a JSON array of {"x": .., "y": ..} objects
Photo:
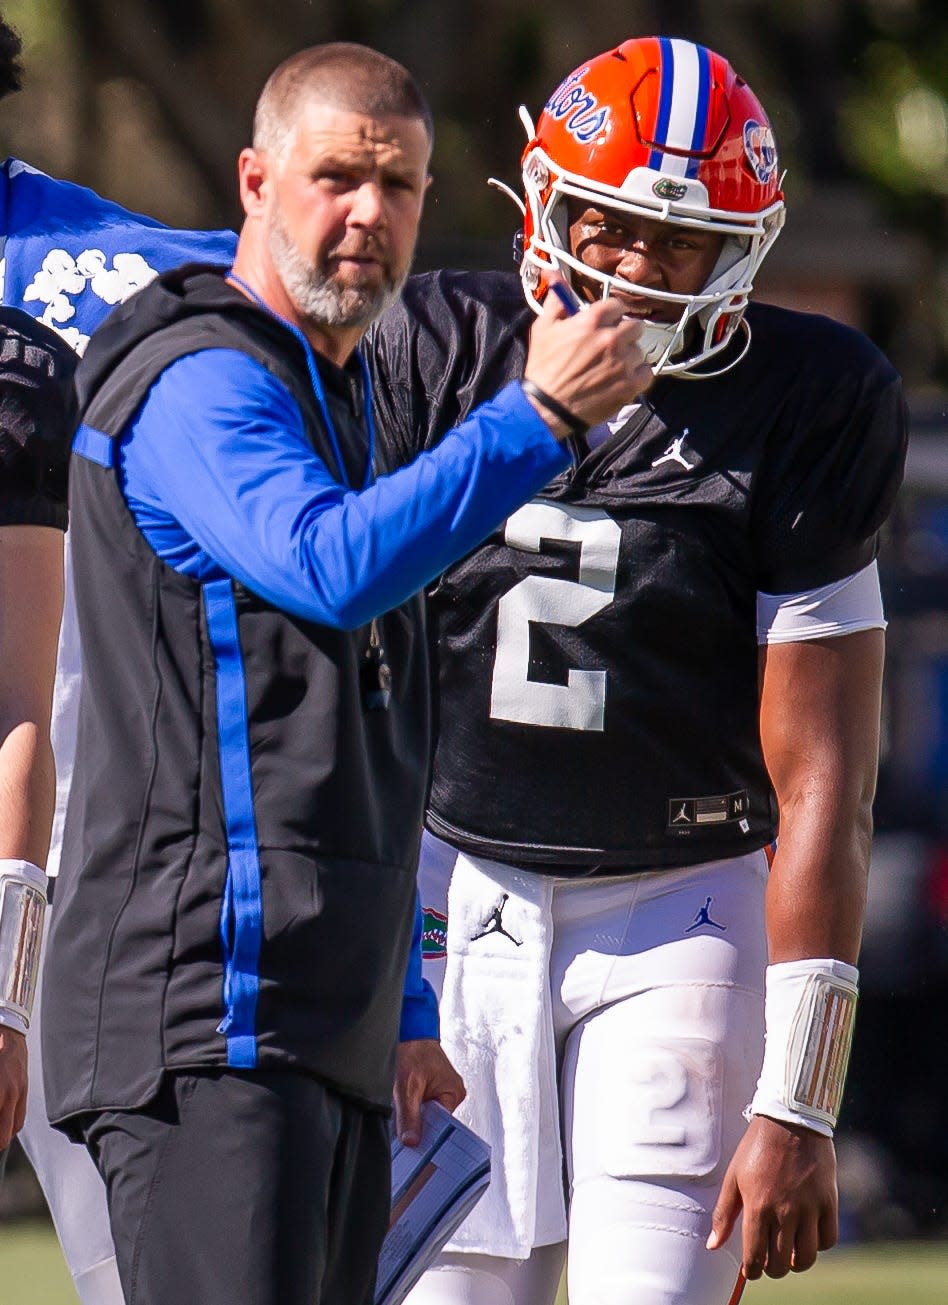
[{"x": 236, "y": 904}]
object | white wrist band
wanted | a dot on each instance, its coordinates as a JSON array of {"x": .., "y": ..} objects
[
  {"x": 810, "y": 1011},
  {"x": 22, "y": 904}
]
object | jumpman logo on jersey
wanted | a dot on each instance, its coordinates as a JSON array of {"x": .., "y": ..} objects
[
  {"x": 493, "y": 924},
  {"x": 703, "y": 916},
  {"x": 674, "y": 454}
]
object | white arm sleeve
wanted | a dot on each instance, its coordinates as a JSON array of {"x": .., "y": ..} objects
[{"x": 842, "y": 607}]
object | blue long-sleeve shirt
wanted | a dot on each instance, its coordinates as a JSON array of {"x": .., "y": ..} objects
[{"x": 221, "y": 480}]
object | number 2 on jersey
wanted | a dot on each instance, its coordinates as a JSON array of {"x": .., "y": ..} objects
[{"x": 580, "y": 704}]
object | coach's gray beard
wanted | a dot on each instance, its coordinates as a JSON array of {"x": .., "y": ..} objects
[{"x": 318, "y": 299}]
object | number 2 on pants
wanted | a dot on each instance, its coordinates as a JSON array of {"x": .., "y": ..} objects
[{"x": 580, "y": 704}]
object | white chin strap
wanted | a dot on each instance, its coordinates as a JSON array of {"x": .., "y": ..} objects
[{"x": 660, "y": 341}]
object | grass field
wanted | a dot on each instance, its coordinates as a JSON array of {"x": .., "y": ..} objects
[
  {"x": 900, "y": 1273},
  {"x": 908, "y": 1273},
  {"x": 32, "y": 1271}
]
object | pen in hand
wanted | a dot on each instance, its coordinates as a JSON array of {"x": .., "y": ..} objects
[{"x": 565, "y": 298}]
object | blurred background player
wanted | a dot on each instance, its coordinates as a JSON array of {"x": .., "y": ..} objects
[
  {"x": 675, "y": 648},
  {"x": 69, "y": 257},
  {"x": 35, "y": 433}
]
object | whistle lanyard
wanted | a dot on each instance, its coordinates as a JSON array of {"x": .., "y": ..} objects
[
  {"x": 375, "y": 674},
  {"x": 318, "y": 388}
]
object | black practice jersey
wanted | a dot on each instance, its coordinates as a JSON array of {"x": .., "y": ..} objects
[
  {"x": 36, "y": 421},
  {"x": 598, "y": 702}
]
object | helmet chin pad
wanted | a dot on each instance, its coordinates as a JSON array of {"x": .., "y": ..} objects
[{"x": 660, "y": 341}]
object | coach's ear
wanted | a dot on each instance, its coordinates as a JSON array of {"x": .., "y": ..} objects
[
  {"x": 423, "y": 1073},
  {"x": 253, "y": 175}
]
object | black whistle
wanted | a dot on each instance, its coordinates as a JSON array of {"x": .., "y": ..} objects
[{"x": 375, "y": 676}]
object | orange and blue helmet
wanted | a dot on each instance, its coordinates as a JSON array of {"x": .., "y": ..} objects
[{"x": 662, "y": 129}]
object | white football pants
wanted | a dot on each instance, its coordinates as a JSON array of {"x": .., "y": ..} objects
[
  {"x": 657, "y": 984},
  {"x": 73, "y": 1187}
]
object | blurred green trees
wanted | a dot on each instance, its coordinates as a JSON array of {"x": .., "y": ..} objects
[{"x": 150, "y": 100}]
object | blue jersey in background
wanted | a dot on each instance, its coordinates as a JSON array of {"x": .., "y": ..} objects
[{"x": 69, "y": 256}]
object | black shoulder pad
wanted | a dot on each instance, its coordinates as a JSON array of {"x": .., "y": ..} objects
[{"x": 37, "y": 418}]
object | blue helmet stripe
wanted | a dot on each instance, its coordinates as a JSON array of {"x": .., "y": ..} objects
[
  {"x": 665, "y": 101},
  {"x": 701, "y": 115}
]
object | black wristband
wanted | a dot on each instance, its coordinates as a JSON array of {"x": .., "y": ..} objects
[{"x": 573, "y": 424}]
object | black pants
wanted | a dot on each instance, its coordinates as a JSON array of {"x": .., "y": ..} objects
[{"x": 262, "y": 1188}]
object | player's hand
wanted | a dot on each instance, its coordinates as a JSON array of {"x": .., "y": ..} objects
[
  {"x": 12, "y": 1084},
  {"x": 423, "y": 1073},
  {"x": 589, "y": 362},
  {"x": 784, "y": 1178}
]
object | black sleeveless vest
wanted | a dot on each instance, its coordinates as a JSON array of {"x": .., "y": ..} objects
[{"x": 238, "y": 876}]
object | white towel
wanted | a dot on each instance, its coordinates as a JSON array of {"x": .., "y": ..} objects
[{"x": 497, "y": 1031}]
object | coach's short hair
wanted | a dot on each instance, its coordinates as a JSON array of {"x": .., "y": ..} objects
[
  {"x": 342, "y": 74},
  {"x": 11, "y": 71}
]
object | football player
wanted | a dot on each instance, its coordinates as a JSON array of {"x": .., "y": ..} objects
[
  {"x": 35, "y": 430},
  {"x": 671, "y": 655}
]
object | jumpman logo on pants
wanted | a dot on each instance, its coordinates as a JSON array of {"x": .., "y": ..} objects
[
  {"x": 703, "y": 916},
  {"x": 493, "y": 924}
]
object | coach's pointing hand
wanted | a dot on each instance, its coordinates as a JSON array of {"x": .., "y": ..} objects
[{"x": 588, "y": 363}]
